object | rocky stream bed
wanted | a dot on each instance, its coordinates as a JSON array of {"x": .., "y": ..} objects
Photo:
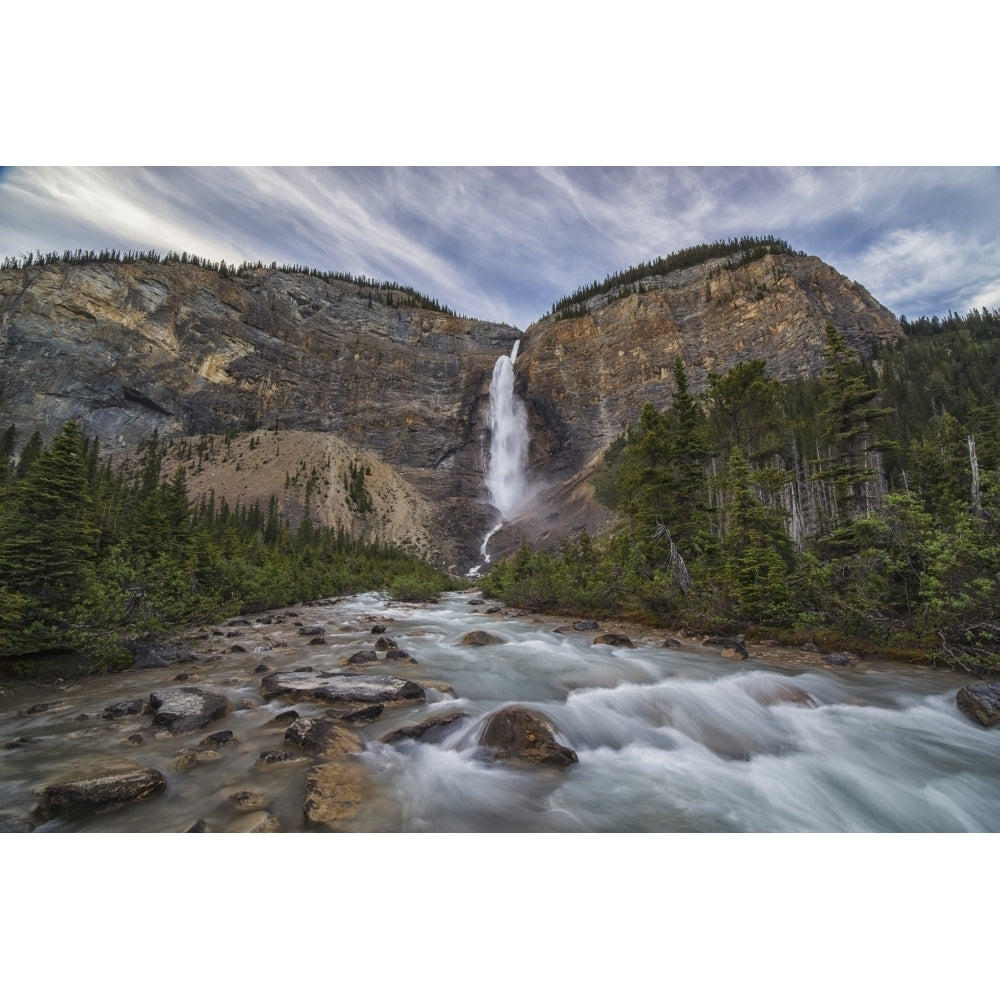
[{"x": 357, "y": 714}]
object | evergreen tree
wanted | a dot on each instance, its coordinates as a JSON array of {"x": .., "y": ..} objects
[
  {"x": 757, "y": 553},
  {"x": 49, "y": 532},
  {"x": 746, "y": 409},
  {"x": 848, "y": 423}
]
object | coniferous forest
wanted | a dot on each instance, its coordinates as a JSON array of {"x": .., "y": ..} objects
[
  {"x": 859, "y": 509},
  {"x": 93, "y": 557}
]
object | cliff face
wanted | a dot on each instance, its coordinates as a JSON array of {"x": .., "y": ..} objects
[
  {"x": 588, "y": 377},
  {"x": 129, "y": 348}
]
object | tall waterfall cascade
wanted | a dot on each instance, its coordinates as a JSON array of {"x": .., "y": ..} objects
[
  {"x": 507, "y": 465},
  {"x": 508, "y": 462}
]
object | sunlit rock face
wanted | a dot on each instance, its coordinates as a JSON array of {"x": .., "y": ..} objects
[
  {"x": 585, "y": 379},
  {"x": 130, "y": 348}
]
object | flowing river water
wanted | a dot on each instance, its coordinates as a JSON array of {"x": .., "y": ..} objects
[{"x": 668, "y": 739}]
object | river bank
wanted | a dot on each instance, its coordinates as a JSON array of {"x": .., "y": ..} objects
[{"x": 657, "y": 733}]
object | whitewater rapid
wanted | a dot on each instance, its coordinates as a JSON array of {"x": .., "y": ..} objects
[{"x": 668, "y": 740}]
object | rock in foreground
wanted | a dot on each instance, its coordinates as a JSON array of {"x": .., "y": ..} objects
[
  {"x": 481, "y": 638},
  {"x": 519, "y": 733},
  {"x": 333, "y": 793},
  {"x": 322, "y": 737},
  {"x": 614, "y": 639},
  {"x": 187, "y": 709},
  {"x": 428, "y": 728},
  {"x": 337, "y": 688},
  {"x": 981, "y": 703},
  {"x": 98, "y": 792}
]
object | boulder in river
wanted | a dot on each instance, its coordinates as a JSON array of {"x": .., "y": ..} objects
[
  {"x": 337, "y": 688},
  {"x": 737, "y": 652},
  {"x": 189, "y": 758},
  {"x": 41, "y": 707},
  {"x": 981, "y": 703},
  {"x": 356, "y": 716},
  {"x": 323, "y": 737},
  {"x": 400, "y": 654},
  {"x": 123, "y": 708},
  {"x": 481, "y": 638},
  {"x": 247, "y": 800},
  {"x": 278, "y": 758},
  {"x": 218, "y": 739},
  {"x": 614, "y": 639},
  {"x": 362, "y": 656},
  {"x": 334, "y": 792},
  {"x": 187, "y": 709},
  {"x": 525, "y": 735},
  {"x": 98, "y": 791},
  {"x": 257, "y": 822},
  {"x": 433, "y": 725},
  {"x": 839, "y": 659},
  {"x": 766, "y": 690}
]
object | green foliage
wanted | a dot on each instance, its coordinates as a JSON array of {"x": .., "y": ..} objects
[
  {"x": 358, "y": 497},
  {"x": 90, "y": 557},
  {"x": 780, "y": 507}
]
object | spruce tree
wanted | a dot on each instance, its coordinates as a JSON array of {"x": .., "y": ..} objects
[
  {"x": 49, "y": 529},
  {"x": 848, "y": 424}
]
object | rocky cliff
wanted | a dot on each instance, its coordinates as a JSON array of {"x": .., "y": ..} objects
[
  {"x": 132, "y": 347},
  {"x": 587, "y": 377}
]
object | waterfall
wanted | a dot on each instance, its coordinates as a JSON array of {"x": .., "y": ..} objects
[
  {"x": 506, "y": 468},
  {"x": 508, "y": 440}
]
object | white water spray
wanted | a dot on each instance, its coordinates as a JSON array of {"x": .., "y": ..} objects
[
  {"x": 506, "y": 468},
  {"x": 505, "y": 475}
]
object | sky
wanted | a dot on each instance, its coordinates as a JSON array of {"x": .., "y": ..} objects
[{"x": 504, "y": 243}]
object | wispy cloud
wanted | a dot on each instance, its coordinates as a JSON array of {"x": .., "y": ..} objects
[{"x": 504, "y": 243}]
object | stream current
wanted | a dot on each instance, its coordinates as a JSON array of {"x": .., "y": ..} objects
[{"x": 668, "y": 740}]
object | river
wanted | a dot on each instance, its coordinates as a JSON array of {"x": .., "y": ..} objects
[{"x": 668, "y": 739}]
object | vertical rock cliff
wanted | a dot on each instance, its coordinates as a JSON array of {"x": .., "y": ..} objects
[{"x": 129, "y": 348}]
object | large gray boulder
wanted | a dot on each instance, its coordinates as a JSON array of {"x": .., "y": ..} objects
[
  {"x": 981, "y": 703},
  {"x": 338, "y": 688},
  {"x": 522, "y": 734},
  {"x": 187, "y": 709},
  {"x": 323, "y": 737},
  {"x": 479, "y": 637},
  {"x": 99, "y": 791}
]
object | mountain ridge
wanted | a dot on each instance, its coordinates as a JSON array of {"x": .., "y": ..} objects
[{"x": 133, "y": 347}]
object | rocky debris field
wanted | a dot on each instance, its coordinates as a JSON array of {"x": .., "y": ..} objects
[{"x": 252, "y": 728}]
